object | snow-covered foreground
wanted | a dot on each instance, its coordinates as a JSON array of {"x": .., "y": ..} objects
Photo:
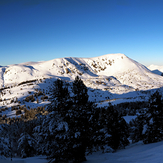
[
  {"x": 26, "y": 160},
  {"x": 138, "y": 153},
  {"x": 135, "y": 153}
]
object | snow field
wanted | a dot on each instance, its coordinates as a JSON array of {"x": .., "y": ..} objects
[{"x": 134, "y": 153}]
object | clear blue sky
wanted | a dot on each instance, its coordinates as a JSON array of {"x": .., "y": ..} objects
[{"x": 40, "y": 30}]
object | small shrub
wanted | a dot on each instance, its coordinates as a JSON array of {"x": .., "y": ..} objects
[
  {"x": 40, "y": 93},
  {"x": 4, "y": 117},
  {"x": 3, "y": 109},
  {"x": 18, "y": 112},
  {"x": 30, "y": 98},
  {"x": 14, "y": 108},
  {"x": 44, "y": 97},
  {"x": 27, "y": 99}
]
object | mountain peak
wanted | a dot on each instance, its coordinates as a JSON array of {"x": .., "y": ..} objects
[
  {"x": 114, "y": 55},
  {"x": 122, "y": 68}
]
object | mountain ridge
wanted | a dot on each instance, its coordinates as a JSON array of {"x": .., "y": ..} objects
[
  {"x": 103, "y": 66},
  {"x": 156, "y": 69},
  {"x": 113, "y": 78}
]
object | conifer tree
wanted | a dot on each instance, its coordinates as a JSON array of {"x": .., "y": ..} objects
[
  {"x": 80, "y": 130},
  {"x": 26, "y": 145},
  {"x": 67, "y": 129},
  {"x": 117, "y": 129},
  {"x": 80, "y": 92},
  {"x": 79, "y": 121},
  {"x": 4, "y": 147},
  {"x": 100, "y": 136},
  {"x": 137, "y": 127},
  {"x": 59, "y": 96},
  {"x": 154, "y": 128}
]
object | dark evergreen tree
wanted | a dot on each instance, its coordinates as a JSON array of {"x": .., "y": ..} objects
[
  {"x": 80, "y": 92},
  {"x": 59, "y": 96},
  {"x": 4, "y": 147},
  {"x": 66, "y": 131},
  {"x": 137, "y": 127},
  {"x": 154, "y": 126},
  {"x": 26, "y": 145},
  {"x": 78, "y": 119},
  {"x": 80, "y": 129},
  {"x": 100, "y": 134},
  {"x": 117, "y": 128}
]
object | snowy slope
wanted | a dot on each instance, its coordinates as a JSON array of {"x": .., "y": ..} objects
[
  {"x": 110, "y": 78},
  {"x": 134, "y": 153},
  {"x": 116, "y": 67}
]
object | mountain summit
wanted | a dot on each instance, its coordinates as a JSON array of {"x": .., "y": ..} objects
[{"x": 111, "y": 69}]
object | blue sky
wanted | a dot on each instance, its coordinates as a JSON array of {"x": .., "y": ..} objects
[{"x": 40, "y": 30}]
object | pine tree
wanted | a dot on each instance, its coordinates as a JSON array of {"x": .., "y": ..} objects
[
  {"x": 26, "y": 145},
  {"x": 137, "y": 126},
  {"x": 56, "y": 141},
  {"x": 100, "y": 134},
  {"x": 117, "y": 129},
  {"x": 80, "y": 92},
  {"x": 154, "y": 128},
  {"x": 67, "y": 130},
  {"x": 4, "y": 147},
  {"x": 80, "y": 130},
  {"x": 59, "y": 96},
  {"x": 79, "y": 119}
]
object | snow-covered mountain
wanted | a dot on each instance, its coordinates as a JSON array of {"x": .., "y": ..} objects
[
  {"x": 156, "y": 69},
  {"x": 117, "y": 67},
  {"x": 108, "y": 77}
]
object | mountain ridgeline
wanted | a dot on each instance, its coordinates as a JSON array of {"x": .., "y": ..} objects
[{"x": 116, "y": 70}]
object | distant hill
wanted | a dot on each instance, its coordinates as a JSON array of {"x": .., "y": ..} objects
[{"x": 156, "y": 69}]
